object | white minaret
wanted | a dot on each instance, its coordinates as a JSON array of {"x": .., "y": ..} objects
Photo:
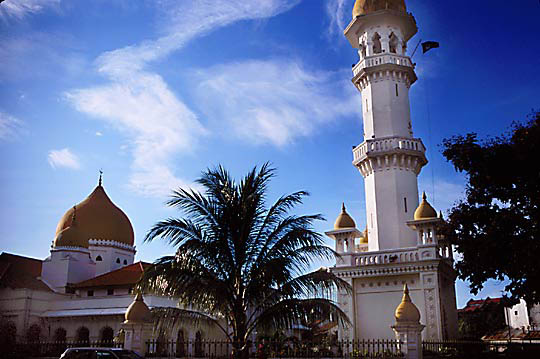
[{"x": 390, "y": 158}]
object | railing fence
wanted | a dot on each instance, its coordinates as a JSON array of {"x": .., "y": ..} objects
[{"x": 377, "y": 348}]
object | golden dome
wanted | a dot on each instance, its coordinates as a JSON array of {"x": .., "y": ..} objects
[
  {"x": 364, "y": 7},
  {"x": 424, "y": 210},
  {"x": 138, "y": 311},
  {"x": 344, "y": 220},
  {"x": 98, "y": 218},
  {"x": 71, "y": 236},
  {"x": 364, "y": 238},
  {"x": 406, "y": 310}
]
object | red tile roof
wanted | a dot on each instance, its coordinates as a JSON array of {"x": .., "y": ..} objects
[
  {"x": 21, "y": 272},
  {"x": 124, "y": 277},
  {"x": 475, "y": 304}
]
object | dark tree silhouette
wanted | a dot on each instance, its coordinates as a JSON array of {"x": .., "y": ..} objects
[{"x": 497, "y": 226}]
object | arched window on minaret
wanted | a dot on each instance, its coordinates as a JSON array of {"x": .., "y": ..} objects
[
  {"x": 377, "y": 47},
  {"x": 393, "y": 43},
  {"x": 362, "y": 50}
]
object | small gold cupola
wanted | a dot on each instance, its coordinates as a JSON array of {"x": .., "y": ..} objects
[
  {"x": 138, "y": 311},
  {"x": 424, "y": 210},
  {"x": 407, "y": 312},
  {"x": 344, "y": 220}
]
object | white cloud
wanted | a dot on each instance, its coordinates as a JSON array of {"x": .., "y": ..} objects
[
  {"x": 339, "y": 13},
  {"x": 140, "y": 104},
  {"x": 99, "y": 134},
  {"x": 274, "y": 101},
  {"x": 63, "y": 158},
  {"x": 21, "y": 8},
  {"x": 10, "y": 127}
]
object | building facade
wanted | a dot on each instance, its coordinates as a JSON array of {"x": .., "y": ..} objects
[
  {"x": 401, "y": 244},
  {"x": 81, "y": 292}
]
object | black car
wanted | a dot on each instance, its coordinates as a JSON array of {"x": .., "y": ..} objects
[{"x": 99, "y": 353}]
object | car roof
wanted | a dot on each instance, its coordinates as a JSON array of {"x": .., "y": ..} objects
[{"x": 96, "y": 348}]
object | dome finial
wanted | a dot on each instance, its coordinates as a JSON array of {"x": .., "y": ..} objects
[
  {"x": 100, "y": 177},
  {"x": 424, "y": 197},
  {"x": 343, "y": 209}
]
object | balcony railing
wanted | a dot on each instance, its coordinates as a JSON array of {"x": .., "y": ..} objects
[
  {"x": 387, "y": 145},
  {"x": 381, "y": 59}
]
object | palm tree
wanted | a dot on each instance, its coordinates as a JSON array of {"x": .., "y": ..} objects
[{"x": 239, "y": 260}]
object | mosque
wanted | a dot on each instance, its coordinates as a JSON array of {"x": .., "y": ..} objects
[
  {"x": 82, "y": 291},
  {"x": 401, "y": 244}
]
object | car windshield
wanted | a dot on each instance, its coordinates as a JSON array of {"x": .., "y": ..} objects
[{"x": 127, "y": 354}]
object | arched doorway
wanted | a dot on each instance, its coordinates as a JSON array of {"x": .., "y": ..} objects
[
  {"x": 199, "y": 352},
  {"x": 180, "y": 344},
  {"x": 107, "y": 334},
  {"x": 8, "y": 334},
  {"x": 83, "y": 335},
  {"x": 60, "y": 335},
  {"x": 33, "y": 334}
]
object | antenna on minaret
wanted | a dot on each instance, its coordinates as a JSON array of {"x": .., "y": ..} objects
[{"x": 100, "y": 178}]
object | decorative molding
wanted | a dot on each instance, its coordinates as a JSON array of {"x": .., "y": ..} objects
[{"x": 110, "y": 243}]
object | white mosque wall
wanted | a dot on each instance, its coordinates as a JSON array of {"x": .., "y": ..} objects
[
  {"x": 109, "y": 258},
  {"x": 386, "y": 194},
  {"x": 517, "y": 316},
  {"x": 386, "y": 108},
  {"x": 65, "y": 266}
]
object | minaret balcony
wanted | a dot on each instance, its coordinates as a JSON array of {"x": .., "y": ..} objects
[
  {"x": 381, "y": 59},
  {"x": 382, "y": 153}
]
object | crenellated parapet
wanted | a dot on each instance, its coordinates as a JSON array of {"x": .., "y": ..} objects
[{"x": 111, "y": 243}]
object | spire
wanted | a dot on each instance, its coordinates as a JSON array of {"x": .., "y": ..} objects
[
  {"x": 343, "y": 209},
  {"x": 100, "y": 178},
  {"x": 424, "y": 197}
]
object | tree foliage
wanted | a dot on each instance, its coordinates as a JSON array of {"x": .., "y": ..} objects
[
  {"x": 239, "y": 260},
  {"x": 496, "y": 228}
]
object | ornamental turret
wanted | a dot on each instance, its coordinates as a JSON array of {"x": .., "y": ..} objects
[{"x": 389, "y": 158}]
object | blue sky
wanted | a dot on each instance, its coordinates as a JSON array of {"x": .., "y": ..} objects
[{"x": 154, "y": 92}]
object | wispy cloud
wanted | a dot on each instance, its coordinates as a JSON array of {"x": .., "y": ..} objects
[
  {"x": 274, "y": 101},
  {"x": 140, "y": 104},
  {"x": 21, "y": 8},
  {"x": 441, "y": 193},
  {"x": 10, "y": 126},
  {"x": 339, "y": 13},
  {"x": 63, "y": 158}
]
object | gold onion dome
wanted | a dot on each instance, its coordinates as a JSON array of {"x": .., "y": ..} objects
[
  {"x": 344, "y": 220},
  {"x": 138, "y": 311},
  {"x": 406, "y": 310},
  {"x": 424, "y": 210},
  {"x": 71, "y": 236},
  {"x": 364, "y": 7},
  {"x": 97, "y": 218}
]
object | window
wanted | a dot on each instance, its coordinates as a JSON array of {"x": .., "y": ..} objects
[
  {"x": 393, "y": 43},
  {"x": 110, "y": 291},
  {"x": 397, "y": 90},
  {"x": 367, "y": 107},
  {"x": 515, "y": 312},
  {"x": 377, "y": 48},
  {"x": 99, "y": 259},
  {"x": 118, "y": 260},
  {"x": 90, "y": 293},
  {"x": 405, "y": 203},
  {"x": 60, "y": 335},
  {"x": 107, "y": 334},
  {"x": 125, "y": 261},
  {"x": 83, "y": 335}
]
